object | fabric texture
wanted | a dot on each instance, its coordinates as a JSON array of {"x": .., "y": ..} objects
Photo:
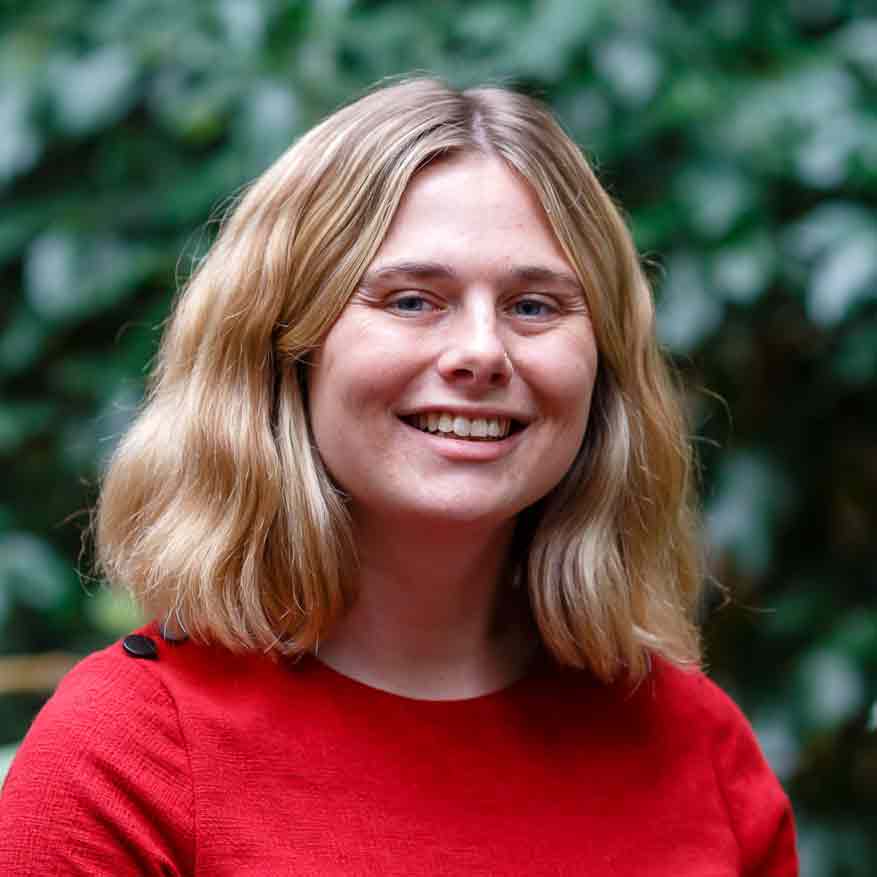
[{"x": 209, "y": 764}]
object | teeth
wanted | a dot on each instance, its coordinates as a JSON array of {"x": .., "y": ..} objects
[{"x": 465, "y": 427}]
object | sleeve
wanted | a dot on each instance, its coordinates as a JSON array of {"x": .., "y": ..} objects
[
  {"x": 101, "y": 784},
  {"x": 758, "y": 809}
]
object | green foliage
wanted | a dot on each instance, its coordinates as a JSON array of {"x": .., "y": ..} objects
[
  {"x": 7, "y": 753},
  {"x": 741, "y": 138}
]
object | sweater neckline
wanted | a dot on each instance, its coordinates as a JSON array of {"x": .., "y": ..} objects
[{"x": 537, "y": 667}]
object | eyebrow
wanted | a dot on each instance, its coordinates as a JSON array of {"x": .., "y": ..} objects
[{"x": 439, "y": 271}]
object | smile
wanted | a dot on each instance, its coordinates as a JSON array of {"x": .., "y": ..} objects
[{"x": 457, "y": 426}]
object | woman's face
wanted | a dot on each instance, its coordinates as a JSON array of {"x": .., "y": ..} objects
[{"x": 456, "y": 384}]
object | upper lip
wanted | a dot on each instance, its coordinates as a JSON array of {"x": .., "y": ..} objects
[{"x": 470, "y": 413}]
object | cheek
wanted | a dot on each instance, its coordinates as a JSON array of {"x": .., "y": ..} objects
[
  {"x": 327, "y": 404},
  {"x": 580, "y": 404},
  {"x": 363, "y": 363},
  {"x": 565, "y": 379},
  {"x": 352, "y": 393},
  {"x": 581, "y": 379}
]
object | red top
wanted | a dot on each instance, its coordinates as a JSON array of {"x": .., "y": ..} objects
[{"x": 199, "y": 762}]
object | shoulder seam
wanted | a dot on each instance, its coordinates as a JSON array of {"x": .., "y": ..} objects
[{"x": 185, "y": 741}]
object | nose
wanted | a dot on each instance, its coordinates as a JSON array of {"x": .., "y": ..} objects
[{"x": 475, "y": 356}]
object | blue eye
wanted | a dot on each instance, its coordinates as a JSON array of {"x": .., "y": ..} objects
[
  {"x": 532, "y": 307},
  {"x": 411, "y": 304}
]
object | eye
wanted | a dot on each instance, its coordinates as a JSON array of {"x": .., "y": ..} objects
[
  {"x": 533, "y": 308},
  {"x": 411, "y": 303}
]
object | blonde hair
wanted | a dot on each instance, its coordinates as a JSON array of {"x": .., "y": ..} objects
[{"x": 217, "y": 510}]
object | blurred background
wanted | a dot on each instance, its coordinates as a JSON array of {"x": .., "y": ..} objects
[{"x": 739, "y": 135}]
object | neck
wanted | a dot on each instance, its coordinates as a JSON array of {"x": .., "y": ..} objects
[{"x": 436, "y": 615}]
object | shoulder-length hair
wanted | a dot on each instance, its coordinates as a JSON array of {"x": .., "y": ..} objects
[{"x": 216, "y": 509}]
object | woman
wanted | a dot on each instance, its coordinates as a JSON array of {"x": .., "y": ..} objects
[{"x": 410, "y": 495}]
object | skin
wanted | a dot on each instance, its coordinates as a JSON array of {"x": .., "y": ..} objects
[{"x": 469, "y": 307}]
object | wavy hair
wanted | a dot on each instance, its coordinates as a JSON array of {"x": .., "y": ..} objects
[{"x": 216, "y": 509}]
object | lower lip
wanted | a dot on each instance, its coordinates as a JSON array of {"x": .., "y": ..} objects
[{"x": 466, "y": 450}]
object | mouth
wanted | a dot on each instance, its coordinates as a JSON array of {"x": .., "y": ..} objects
[{"x": 456, "y": 426}]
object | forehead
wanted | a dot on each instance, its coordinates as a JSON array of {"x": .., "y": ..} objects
[{"x": 471, "y": 210}]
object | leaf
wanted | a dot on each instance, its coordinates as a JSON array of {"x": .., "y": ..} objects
[
  {"x": 22, "y": 341},
  {"x": 714, "y": 197},
  {"x": 857, "y": 42},
  {"x": 195, "y": 109},
  {"x": 770, "y": 116},
  {"x": 845, "y": 276},
  {"x": 631, "y": 67},
  {"x": 69, "y": 277},
  {"x": 92, "y": 91},
  {"x": 20, "y": 142},
  {"x": 553, "y": 33},
  {"x": 267, "y": 123},
  {"x": 823, "y": 158},
  {"x": 33, "y": 571},
  {"x": 832, "y": 253},
  {"x": 825, "y": 227},
  {"x": 18, "y": 226},
  {"x": 687, "y": 313},
  {"x": 742, "y": 515},
  {"x": 742, "y": 271},
  {"x": 487, "y": 23},
  {"x": 831, "y": 688},
  {"x": 586, "y": 110},
  {"x": 20, "y": 421},
  {"x": 245, "y": 25}
]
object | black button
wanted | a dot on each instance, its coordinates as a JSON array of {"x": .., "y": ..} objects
[{"x": 138, "y": 646}]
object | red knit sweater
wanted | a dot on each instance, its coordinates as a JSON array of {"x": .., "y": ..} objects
[{"x": 200, "y": 762}]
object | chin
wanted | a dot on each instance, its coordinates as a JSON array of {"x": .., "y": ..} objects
[{"x": 458, "y": 511}]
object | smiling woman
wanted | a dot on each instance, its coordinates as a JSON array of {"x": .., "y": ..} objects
[
  {"x": 409, "y": 502},
  {"x": 463, "y": 314}
]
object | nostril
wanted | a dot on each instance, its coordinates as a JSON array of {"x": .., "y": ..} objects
[{"x": 472, "y": 366}]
